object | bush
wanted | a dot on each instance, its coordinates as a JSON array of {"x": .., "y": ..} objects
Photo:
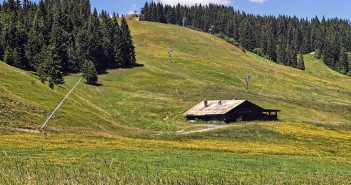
[
  {"x": 89, "y": 72},
  {"x": 228, "y": 39},
  {"x": 258, "y": 51},
  {"x": 317, "y": 54}
]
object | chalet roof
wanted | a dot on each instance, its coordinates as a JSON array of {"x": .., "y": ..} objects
[{"x": 214, "y": 107}]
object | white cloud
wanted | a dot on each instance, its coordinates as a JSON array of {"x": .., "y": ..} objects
[
  {"x": 130, "y": 12},
  {"x": 258, "y": 1},
  {"x": 193, "y": 2}
]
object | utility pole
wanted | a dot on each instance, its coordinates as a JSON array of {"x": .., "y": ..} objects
[
  {"x": 247, "y": 80},
  {"x": 170, "y": 54},
  {"x": 211, "y": 29}
]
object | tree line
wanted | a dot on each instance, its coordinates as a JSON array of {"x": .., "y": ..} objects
[
  {"x": 282, "y": 39},
  {"x": 55, "y": 37}
]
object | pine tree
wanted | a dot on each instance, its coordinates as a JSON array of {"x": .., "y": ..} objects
[
  {"x": 1, "y": 44},
  {"x": 95, "y": 48},
  {"x": 160, "y": 14},
  {"x": 145, "y": 12},
  {"x": 271, "y": 43},
  {"x": 46, "y": 24},
  {"x": 42, "y": 73},
  {"x": 246, "y": 35},
  {"x": 83, "y": 43},
  {"x": 13, "y": 37},
  {"x": 85, "y": 9},
  {"x": 293, "y": 61},
  {"x": 52, "y": 64},
  {"x": 89, "y": 43},
  {"x": 128, "y": 51},
  {"x": 60, "y": 39},
  {"x": 288, "y": 55},
  {"x": 21, "y": 42},
  {"x": 1, "y": 36},
  {"x": 42, "y": 68},
  {"x": 36, "y": 41},
  {"x": 153, "y": 13},
  {"x": 13, "y": 57},
  {"x": 301, "y": 62},
  {"x": 89, "y": 72},
  {"x": 108, "y": 31},
  {"x": 344, "y": 63},
  {"x": 118, "y": 45},
  {"x": 171, "y": 16}
]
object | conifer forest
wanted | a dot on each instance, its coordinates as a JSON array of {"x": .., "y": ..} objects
[{"x": 56, "y": 37}]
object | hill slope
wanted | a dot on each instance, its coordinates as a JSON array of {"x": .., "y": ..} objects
[
  {"x": 130, "y": 121},
  {"x": 153, "y": 97}
]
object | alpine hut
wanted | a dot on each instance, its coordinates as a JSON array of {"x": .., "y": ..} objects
[{"x": 229, "y": 111}]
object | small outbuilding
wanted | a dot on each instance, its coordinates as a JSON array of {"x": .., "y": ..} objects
[{"x": 230, "y": 111}]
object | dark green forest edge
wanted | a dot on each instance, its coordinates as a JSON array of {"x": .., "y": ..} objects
[
  {"x": 283, "y": 39},
  {"x": 56, "y": 37}
]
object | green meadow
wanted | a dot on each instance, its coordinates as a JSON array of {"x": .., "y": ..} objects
[{"x": 124, "y": 131}]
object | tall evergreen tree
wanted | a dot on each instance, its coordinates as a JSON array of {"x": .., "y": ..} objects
[
  {"x": 247, "y": 35},
  {"x": 145, "y": 12},
  {"x": 1, "y": 43},
  {"x": 12, "y": 35},
  {"x": 293, "y": 61},
  {"x": 21, "y": 39},
  {"x": 36, "y": 41},
  {"x": 51, "y": 69},
  {"x": 301, "y": 62},
  {"x": 59, "y": 39},
  {"x": 160, "y": 14},
  {"x": 89, "y": 42},
  {"x": 344, "y": 63},
  {"x": 85, "y": 9},
  {"x": 118, "y": 45},
  {"x": 128, "y": 51},
  {"x": 281, "y": 54},
  {"x": 108, "y": 31}
]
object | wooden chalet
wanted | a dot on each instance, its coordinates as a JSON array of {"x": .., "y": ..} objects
[{"x": 230, "y": 111}]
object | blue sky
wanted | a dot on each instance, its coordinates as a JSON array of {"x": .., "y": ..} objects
[{"x": 300, "y": 8}]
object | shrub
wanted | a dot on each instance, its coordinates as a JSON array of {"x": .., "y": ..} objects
[
  {"x": 258, "y": 51},
  {"x": 317, "y": 54},
  {"x": 228, "y": 39},
  {"x": 89, "y": 72}
]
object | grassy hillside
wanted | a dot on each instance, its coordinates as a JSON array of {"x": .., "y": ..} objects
[
  {"x": 26, "y": 102},
  {"x": 130, "y": 121},
  {"x": 154, "y": 96}
]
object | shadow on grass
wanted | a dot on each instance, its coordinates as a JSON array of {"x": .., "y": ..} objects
[
  {"x": 103, "y": 72},
  {"x": 95, "y": 84},
  {"x": 130, "y": 67},
  {"x": 138, "y": 65}
]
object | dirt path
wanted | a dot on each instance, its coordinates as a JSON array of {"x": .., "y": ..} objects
[{"x": 206, "y": 128}]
